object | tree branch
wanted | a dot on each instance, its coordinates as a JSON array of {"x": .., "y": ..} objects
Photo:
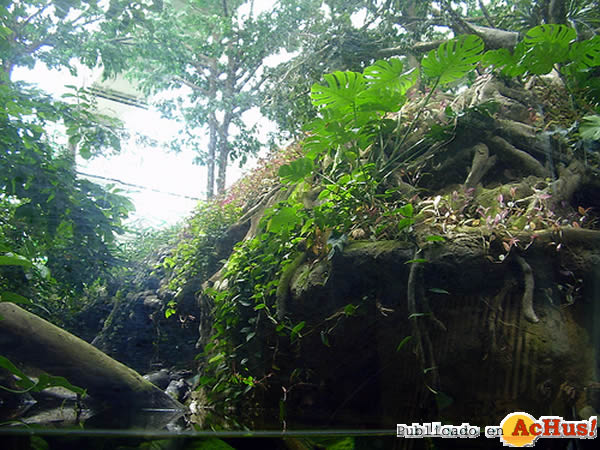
[
  {"x": 225, "y": 11},
  {"x": 34, "y": 15},
  {"x": 190, "y": 84},
  {"x": 486, "y": 14},
  {"x": 418, "y": 48}
]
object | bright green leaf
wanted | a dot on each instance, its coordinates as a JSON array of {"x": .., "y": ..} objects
[
  {"x": 340, "y": 93},
  {"x": 435, "y": 238},
  {"x": 296, "y": 330},
  {"x": 216, "y": 358},
  {"x": 403, "y": 342},
  {"x": 14, "y": 298},
  {"x": 14, "y": 260},
  {"x": 590, "y": 128},
  {"x": 405, "y": 223},
  {"x": 551, "y": 34},
  {"x": 296, "y": 170},
  {"x": 407, "y": 210},
  {"x": 285, "y": 218},
  {"x": 453, "y": 59},
  {"x": 388, "y": 75}
]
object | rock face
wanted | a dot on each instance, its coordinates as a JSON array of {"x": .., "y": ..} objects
[
  {"x": 469, "y": 339},
  {"x": 138, "y": 334}
]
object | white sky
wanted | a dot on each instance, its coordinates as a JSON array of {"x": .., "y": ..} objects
[{"x": 154, "y": 168}]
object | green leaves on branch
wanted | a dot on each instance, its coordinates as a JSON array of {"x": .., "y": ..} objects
[
  {"x": 284, "y": 219},
  {"x": 296, "y": 170},
  {"x": 389, "y": 76},
  {"x": 341, "y": 94},
  {"x": 379, "y": 89},
  {"x": 585, "y": 54}
]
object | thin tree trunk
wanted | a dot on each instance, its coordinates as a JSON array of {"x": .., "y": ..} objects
[
  {"x": 212, "y": 151},
  {"x": 223, "y": 153},
  {"x": 213, "y": 125}
]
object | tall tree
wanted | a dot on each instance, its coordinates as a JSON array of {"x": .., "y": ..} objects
[{"x": 218, "y": 50}]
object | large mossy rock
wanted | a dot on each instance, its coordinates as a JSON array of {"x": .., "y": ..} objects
[{"x": 486, "y": 358}]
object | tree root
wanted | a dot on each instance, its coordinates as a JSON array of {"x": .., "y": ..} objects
[
  {"x": 482, "y": 162},
  {"x": 495, "y": 308},
  {"x": 508, "y": 152},
  {"x": 283, "y": 288},
  {"x": 423, "y": 341},
  {"x": 527, "y": 300}
]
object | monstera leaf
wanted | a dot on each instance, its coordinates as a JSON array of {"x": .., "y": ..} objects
[
  {"x": 585, "y": 54},
  {"x": 324, "y": 133},
  {"x": 390, "y": 75},
  {"x": 296, "y": 170},
  {"x": 590, "y": 128},
  {"x": 386, "y": 85},
  {"x": 560, "y": 35},
  {"x": 340, "y": 93},
  {"x": 508, "y": 63},
  {"x": 547, "y": 45},
  {"x": 453, "y": 59}
]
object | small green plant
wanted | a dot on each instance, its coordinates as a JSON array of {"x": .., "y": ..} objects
[
  {"x": 44, "y": 381},
  {"x": 197, "y": 254}
]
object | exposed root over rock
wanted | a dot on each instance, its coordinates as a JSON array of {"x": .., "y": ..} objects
[{"x": 527, "y": 300}]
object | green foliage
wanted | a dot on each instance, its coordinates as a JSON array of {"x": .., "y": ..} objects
[
  {"x": 23, "y": 382},
  {"x": 65, "y": 225},
  {"x": 44, "y": 381},
  {"x": 453, "y": 59},
  {"x": 197, "y": 255},
  {"x": 198, "y": 47},
  {"x": 350, "y": 150},
  {"x": 543, "y": 48},
  {"x": 341, "y": 94},
  {"x": 352, "y": 109},
  {"x": 296, "y": 170},
  {"x": 590, "y": 128}
]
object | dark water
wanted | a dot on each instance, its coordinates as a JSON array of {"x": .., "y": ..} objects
[{"x": 67, "y": 427}]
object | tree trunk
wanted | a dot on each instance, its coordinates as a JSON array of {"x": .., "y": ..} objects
[
  {"x": 212, "y": 151},
  {"x": 33, "y": 342},
  {"x": 223, "y": 153}
]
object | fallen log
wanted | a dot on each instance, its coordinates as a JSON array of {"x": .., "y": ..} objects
[{"x": 32, "y": 342}]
